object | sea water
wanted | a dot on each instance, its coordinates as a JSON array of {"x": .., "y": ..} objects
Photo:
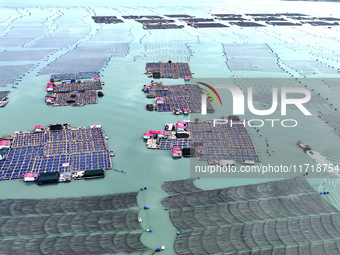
[{"x": 122, "y": 110}]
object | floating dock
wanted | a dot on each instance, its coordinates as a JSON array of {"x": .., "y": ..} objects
[
  {"x": 107, "y": 19},
  {"x": 73, "y": 93},
  {"x": 75, "y": 76},
  {"x": 170, "y": 98},
  {"x": 211, "y": 144},
  {"x": 168, "y": 70},
  {"x": 58, "y": 148}
]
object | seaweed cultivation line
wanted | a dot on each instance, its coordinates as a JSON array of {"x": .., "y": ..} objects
[
  {"x": 179, "y": 98},
  {"x": 59, "y": 148},
  {"x": 84, "y": 225},
  {"x": 278, "y": 217}
]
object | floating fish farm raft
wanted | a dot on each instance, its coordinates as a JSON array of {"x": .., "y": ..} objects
[
  {"x": 248, "y": 24},
  {"x": 82, "y": 225},
  {"x": 205, "y": 25},
  {"x": 58, "y": 148},
  {"x": 3, "y": 98},
  {"x": 162, "y": 26},
  {"x": 73, "y": 93},
  {"x": 278, "y": 217},
  {"x": 75, "y": 76},
  {"x": 208, "y": 142},
  {"x": 168, "y": 70},
  {"x": 170, "y": 98},
  {"x": 160, "y": 21},
  {"x": 106, "y": 19},
  {"x": 178, "y": 16}
]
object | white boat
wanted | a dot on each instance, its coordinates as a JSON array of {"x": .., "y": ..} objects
[{"x": 248, "y": 162}]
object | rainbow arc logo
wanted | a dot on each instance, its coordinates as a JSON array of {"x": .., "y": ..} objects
[{"x": 204, "y": 97}]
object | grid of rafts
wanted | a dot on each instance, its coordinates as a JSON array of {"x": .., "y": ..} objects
[
  {"x": 83, "y": 225},
  {"x": 180, "y": 97},
  {"x": 76, "y": 93},
  {"x": 279, "y": 217},
  {"x": 169, "y": 70},
  {"x": 214, "y": 143},
  {"x": 68, "y": 150}
]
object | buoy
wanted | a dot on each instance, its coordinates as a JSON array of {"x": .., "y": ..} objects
[
  {"x": 306, "y": 173},
  {"x": 141, "y": 189},
  {"x": 147, "y": 207},
  {"x": 327, "y": 192},
  {"x": 163, "y": 247},
  {"x": 144, "y": 207},
  {"x": 177, "y": 233},
  {"x": 324, "y": 192},
  {"x": 169, "y": 196},
  {"x": 166, "y": 208},
  {"x": 321, "y": 193},
  {"x": 198, "y": 177},
  {"x": 158, "y": 249},
  {"x": 150, "y": 230},
  {"x": 165, "y": 181},
  {"x": 144, "y": 187},
  {"x": 270, "y": 154}
]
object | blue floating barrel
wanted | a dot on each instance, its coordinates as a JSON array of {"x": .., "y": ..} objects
[
  {"x": 144, "y": 207},
  {"x": 327, "y": 192},
  {"x": 169, "y": 196},
  {"x": 148, "y": 207},
  {"x": 177, "y": 233},
  {"x": 158, "y": 249},
  {"x": 321, "y": 193},
  {"x": 141, "y": 189},
  {"x": 150, "y": 230},
  {"x": 144, "y": 187},
  {"x": 306, "y": 173},
  {"x": 324, "y": 192}
]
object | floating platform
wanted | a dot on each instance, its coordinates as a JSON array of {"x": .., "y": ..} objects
[
  {"x": 162, "y": 26},
  {"x": 248, "y": 24},
  {"x": 284, "y": 24},
  {"x": 168, "y": 70},
  {"x": 58, "y": 148},
  {"x": 176, "y": 97},
  {"x": 73, "y": 93},
  {"x": 208, "y": 25},
  {"x": 178, "y": 16},
  {"x": 196, "y": 20},
  {"x": 106, "y": 19},
  {"x": 160, "y": 21},
  {"x": 75, "y": 76},
  {"x": 222, "y": 142}
]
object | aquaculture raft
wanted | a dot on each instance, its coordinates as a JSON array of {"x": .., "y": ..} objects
[
  {"x": 77, "y": 225},
  {"x": 212, "y": 144},
  {"x": 107, "y": 19},
  {"x": 75, "y": 76},
  {"x": 177, "y": 97},
  {"x": 59, "y": 148},
  {"x": 73, "y": 93},
  {"x": 169, "y": 70},
  {"x": 278, "y": 217}
]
